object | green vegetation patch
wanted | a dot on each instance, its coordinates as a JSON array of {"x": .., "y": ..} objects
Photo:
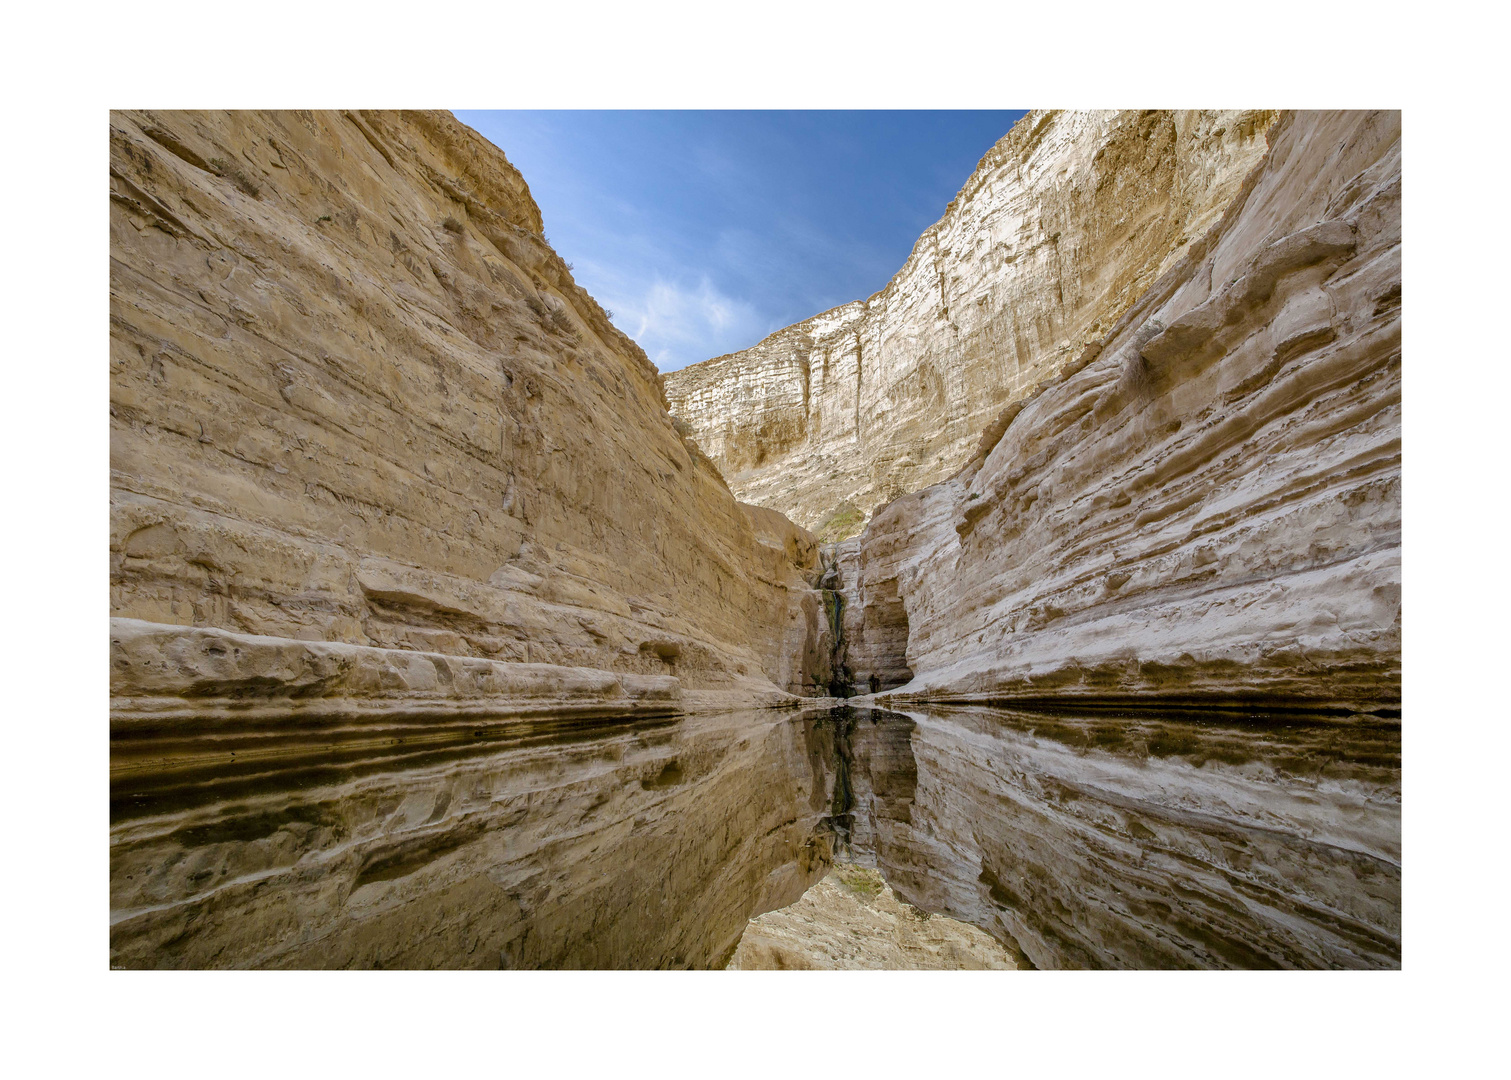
[
  {"x": 862, "y": 881},
  {"x": 846, "y": 520}
]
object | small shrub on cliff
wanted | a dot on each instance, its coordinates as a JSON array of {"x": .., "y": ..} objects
[
  {"x": 845, "y": 522},
  {"x": 860, "y": 880}
]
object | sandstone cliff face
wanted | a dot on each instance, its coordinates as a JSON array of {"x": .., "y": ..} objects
[
  {"x": 413, "y": 577},
  {"x": 356, "y": 398},
  {"x": 1066, "y": 221},
  {"x": 388, "y": 492},
  {"x": 1206, "y": 508}
]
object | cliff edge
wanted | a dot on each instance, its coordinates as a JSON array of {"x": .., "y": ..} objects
[{"x": 1067, "y": 220}]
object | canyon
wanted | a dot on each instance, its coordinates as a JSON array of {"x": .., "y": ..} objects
[
  {"x": 445, "y": 632},
  {"x": 1206, "y": 509},
  {"x": 1065, "y": 223}
]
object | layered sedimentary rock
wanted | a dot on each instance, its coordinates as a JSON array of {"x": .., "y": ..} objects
[
  {"x": 355, "y": 397},
  {"x": 384, "y": 481},
  {"x": 1063, "y": 225},
  {"x": 1206, "y": 508},
  {"x": 414, "y": 580}
]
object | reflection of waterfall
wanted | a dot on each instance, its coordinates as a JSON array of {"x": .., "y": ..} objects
[
  {"x": 1077, "y": 841},
  {"x": 842, "y": 802}
]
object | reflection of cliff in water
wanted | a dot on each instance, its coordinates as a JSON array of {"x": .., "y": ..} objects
[
  {"x": 1106, "y": 842},
  {"x": 1076, "y": 842},
  {"x": 614, "y": 844}
]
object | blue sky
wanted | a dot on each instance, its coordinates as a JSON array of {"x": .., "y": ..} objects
[{"x": 705, "y": 231}]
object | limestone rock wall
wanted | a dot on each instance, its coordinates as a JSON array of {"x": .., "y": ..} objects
[
  {"x": 852, "y": 921},
  {"x": 872, "y": 651},
  {"x": 1063, "y": 225},
  {"x": 356, "y": 398},
  {"x": 1207, "y": 507}
]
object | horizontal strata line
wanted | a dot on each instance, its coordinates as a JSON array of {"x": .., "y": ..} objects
[
  {"x": 393, "y": 412},
  {"x": 1150, "y": 598},
  {"x": 213, "y": 764},
  {"x": 1181, "y": 816},
  {"x": 211, "y": 711},
  {"x": 340, "y": 852},
  {"x": 1193, "y": 705}
]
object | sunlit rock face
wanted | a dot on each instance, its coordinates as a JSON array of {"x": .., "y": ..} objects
[
  {"x": 853, "y": 921},
  {"x": 609, "y": 841},
  {"x": 1208, "y": 509},
  {"x": 388, "y": 489},
  {"x": 1065, "y": 222},
  {"x": 356, "y": 398}
]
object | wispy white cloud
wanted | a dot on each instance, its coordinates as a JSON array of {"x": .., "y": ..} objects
[
  {"x": 704, "y": 232},
  {"x": 678, "y": 323}
]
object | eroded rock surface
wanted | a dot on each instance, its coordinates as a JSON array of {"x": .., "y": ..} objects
[
  {"x": 1208, "y": 508},
  {"x": 1063, "y": 225},
  {"x": 413, "y": 578},
  {"x": 357, "y": 398},
  {"x": 852, "y": 921},
  {"x": 388, "y": 489}
]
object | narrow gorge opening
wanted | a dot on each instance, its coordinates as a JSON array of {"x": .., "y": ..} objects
[{"x": 841, "y": 680}]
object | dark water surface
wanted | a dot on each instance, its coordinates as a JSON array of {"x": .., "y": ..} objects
[
  {"x": 1143, "y": 842},
  {"x": 1079, "y": 842}
]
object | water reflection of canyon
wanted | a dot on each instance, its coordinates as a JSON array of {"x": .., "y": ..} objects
[{"x": 1076, "y": 841}]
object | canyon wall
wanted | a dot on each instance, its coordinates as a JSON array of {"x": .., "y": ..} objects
[
  {"x": 1063, "y": 225},
  {"x": 1206, "y": 508},
  {"x": 357, "y": 399},
  {"x": 386, "y": 488},
  {"x": 415, "y": 582}
]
